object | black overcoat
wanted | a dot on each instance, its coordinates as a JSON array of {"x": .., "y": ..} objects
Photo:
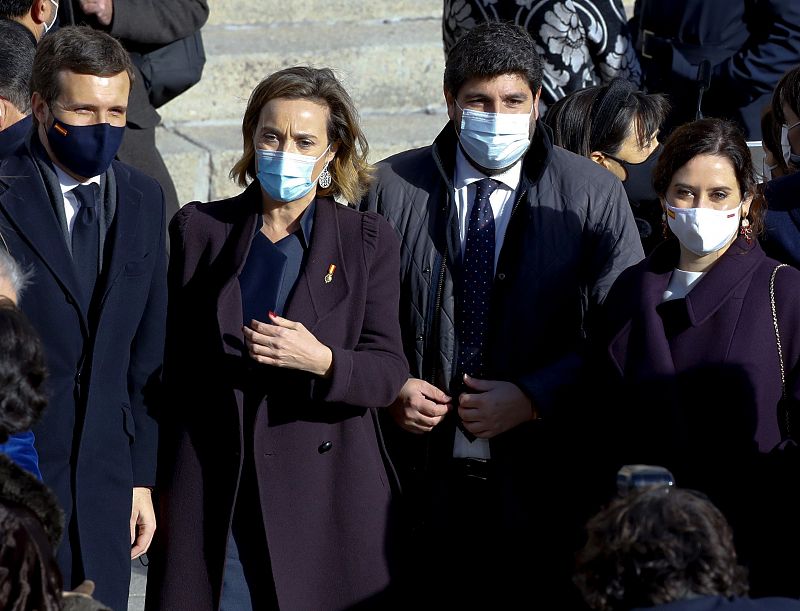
[{"x": 93, "y": 457}]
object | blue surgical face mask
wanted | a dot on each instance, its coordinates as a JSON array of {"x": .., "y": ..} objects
[
  {"x": 286, "y": 177},
  {"x": 85, "y": 150},
  {"x": 53, "y": 17},
  {"x": 494, "y": 140},
  {"x": 786, "y": 148}
]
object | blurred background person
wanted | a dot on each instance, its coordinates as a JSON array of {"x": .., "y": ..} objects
[
  {"x": 748, "y": 46},
  {"x": 140, "y": 25},
  {"x": 782, "y": 239},
  {"x": 275, "y": 488},
  {"x": 665, "y": 549},
  {"x": 31, "y": 521},
  {"x": 38, "y": 16},
  {"x": 691, "y": 345},
  {"x": 19, "y": 447},
  {"x": 17, "y": 49},
  {"x": 617, "y": 127},
  {"x": 774, "y": 165},
  {"x": 581, "y": 42}
]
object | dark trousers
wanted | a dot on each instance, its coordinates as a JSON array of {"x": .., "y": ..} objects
[{"x": 479, "y": 549}]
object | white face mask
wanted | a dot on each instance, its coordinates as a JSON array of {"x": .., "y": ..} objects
[
  {"x": 703, "y": 230},
  {"x": 786, "y": 148},
  {"x": 49, "y": 26}
]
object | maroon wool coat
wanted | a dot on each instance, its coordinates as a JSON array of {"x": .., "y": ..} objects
[
  {"x": 724, "y": 330},
  {"x": 327, "y": 514}
]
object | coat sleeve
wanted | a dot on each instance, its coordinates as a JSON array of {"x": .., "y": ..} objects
[
  {"x": 147, "y": 357},
  {"x": 771, "y": 50},
  {"x": 613, "y": 245},
  {"x": 157, "y": 22},
  {"x": 372, "y": 374}
]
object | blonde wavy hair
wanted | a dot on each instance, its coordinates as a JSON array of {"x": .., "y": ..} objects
[{"x": 350, "y": 172}]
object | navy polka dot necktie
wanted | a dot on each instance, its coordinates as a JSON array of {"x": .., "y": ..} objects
[{"x": 476, "y": 286}]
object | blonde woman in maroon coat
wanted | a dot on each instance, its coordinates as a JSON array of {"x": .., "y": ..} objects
[{"x": 284, "y": 339}]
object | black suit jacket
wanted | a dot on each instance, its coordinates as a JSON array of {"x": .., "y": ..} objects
[{"x": 93, "y": 456}]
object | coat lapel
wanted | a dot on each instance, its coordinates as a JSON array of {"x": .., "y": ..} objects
[
  {"x": 313, "y": 297},
  {"x": 24, "y": 199}
]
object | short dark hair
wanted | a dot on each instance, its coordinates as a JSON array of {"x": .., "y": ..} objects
[
  {"x": 10, "y": 9},
  {"x": 491, "y": 49},
  {"x": 656, "y": 546},
  {"x": 711, "y": 137},
  {"x": 787, "y": 92},
  {"x": 22, "y": 372},
  {"x": 600, "y": 118},
  {"x": 17, "y": 50},
  {"x": 79, "y": 49}
]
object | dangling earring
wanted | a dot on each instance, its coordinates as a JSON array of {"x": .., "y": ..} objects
[
  {"x": 746, "y": 230},
  {"x": 664, "y": 226},
  {"x": 325, "y": 178}
]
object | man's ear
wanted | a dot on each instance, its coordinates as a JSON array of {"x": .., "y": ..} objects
[
  {"x": 536, "y": 103},
  {"x": 40, "y": 11},
  {"x": 39, "y": 108},
  {"x": 451, "y": 104}
]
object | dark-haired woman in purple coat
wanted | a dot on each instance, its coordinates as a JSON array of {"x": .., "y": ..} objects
[
  {"x": 275, "y": 491},
  {"x": 691, "y": 343}
]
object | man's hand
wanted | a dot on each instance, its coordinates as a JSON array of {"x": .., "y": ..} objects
[
  {"x": 495, "y": 407},
  {"x": 420, "y": 406},
  {"x": 103, "y": 10},
  {"x": 143, "y": 521}
]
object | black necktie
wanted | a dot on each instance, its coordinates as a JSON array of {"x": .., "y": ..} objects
[
  {"x": 86, "y": 239},
  {"x": 476, "y": 287}
]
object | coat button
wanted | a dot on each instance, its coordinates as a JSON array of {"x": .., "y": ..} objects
[
  {"x": 426, "y": 270},
  {"x": 325, "y": 447},
  {"x": 501, "y": 276},
  {"x": 420, "y": 338}
]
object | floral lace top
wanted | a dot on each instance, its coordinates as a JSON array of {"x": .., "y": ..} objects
[{"x": 582, "y": 42}]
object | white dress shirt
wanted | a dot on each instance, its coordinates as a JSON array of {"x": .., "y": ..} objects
[
  {"x": 502, "y": 203},
  {"x": 71, "y": 204},
  {"x": 680, "y": 283}
]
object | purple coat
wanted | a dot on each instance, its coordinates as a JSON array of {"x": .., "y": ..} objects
[{"x": 323, "y": 474}]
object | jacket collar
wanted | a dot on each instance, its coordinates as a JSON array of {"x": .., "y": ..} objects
[
  {"x": 718, "y": 285},
  {"x": 20, "y": 487},
  {"x": 312, "y": 298}
]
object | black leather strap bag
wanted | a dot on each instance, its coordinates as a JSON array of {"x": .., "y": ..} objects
[{"x": 170, "y": 70}]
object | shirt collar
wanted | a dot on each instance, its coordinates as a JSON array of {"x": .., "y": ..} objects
[
  {"x": 466, "y": 173},
  {"x": 68, "y": 183}
]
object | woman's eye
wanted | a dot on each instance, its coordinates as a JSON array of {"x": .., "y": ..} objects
[
  {"x": 683, "y": 193},
  {"x": 719, "y": 195}
]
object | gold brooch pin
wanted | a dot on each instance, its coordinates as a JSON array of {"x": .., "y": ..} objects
[{"x": 329, "y": 275}]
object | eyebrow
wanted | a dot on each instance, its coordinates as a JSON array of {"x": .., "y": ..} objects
[
  {"x": 271, "y": 128},
  {"x": 719, "y": 188}
]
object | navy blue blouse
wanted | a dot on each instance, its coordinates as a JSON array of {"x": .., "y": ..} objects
[{"x": 272, "y": 269}]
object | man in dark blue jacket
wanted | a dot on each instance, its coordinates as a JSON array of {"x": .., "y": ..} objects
[
  {"x": 509, "y": 246},
  {"x": 17, "y": 48},
  {"x": 749, "y": 44},
  {"x": 92, "y": 231}
]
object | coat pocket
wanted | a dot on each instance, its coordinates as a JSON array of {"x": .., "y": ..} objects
[
  {"x": 127, "y": 422},
  {"x": 138, "y": 267}
]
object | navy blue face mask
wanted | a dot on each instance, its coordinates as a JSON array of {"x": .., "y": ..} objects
[{"x": 85, "y": 150}]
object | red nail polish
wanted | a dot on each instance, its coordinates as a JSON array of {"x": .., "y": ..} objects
[{"x": 272, "y": 314}]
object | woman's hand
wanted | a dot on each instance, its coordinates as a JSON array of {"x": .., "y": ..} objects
[{"x": 288, "y": 344}]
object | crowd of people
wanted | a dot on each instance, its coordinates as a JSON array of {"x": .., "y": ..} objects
[{"x": 409, "y": 384}]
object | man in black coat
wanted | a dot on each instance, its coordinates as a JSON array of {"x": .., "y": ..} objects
[
  {"x": 17, "y": 48},
  {"x": 748, "y": 44},
  {"x": 509, "y": 245},
  {"x": 141, "y": 25},
  {"x": 92, "y": 231}
]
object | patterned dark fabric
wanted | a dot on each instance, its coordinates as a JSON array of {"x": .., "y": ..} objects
[
  {"x": 582, "y": 42},
  {"x": 476, "y": 287}
]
